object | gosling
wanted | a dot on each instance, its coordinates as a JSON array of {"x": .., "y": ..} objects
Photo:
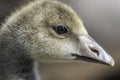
[{"x": 44, "y": 30}]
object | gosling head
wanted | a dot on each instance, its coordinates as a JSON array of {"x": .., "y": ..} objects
[{"x": 57, "y": 33}]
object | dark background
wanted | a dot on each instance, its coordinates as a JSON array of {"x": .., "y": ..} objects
[{"x": 102, "y": 20}]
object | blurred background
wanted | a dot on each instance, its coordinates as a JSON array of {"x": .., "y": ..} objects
[{"x": 102, "y": 20}]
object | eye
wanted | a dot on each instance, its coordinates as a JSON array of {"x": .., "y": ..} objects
[{"x": 60, "y": 29}]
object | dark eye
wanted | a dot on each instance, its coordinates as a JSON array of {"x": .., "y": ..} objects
[{"x": 60, "y": 29}]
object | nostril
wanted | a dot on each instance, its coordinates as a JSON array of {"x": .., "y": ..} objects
[{"x": 94, "y": 50}]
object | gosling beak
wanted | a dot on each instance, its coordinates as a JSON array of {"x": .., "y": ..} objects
[{"x": 91, "y": 51}]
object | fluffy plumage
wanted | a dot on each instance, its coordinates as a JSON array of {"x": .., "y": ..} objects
[{"x": 45, "y": 30}]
